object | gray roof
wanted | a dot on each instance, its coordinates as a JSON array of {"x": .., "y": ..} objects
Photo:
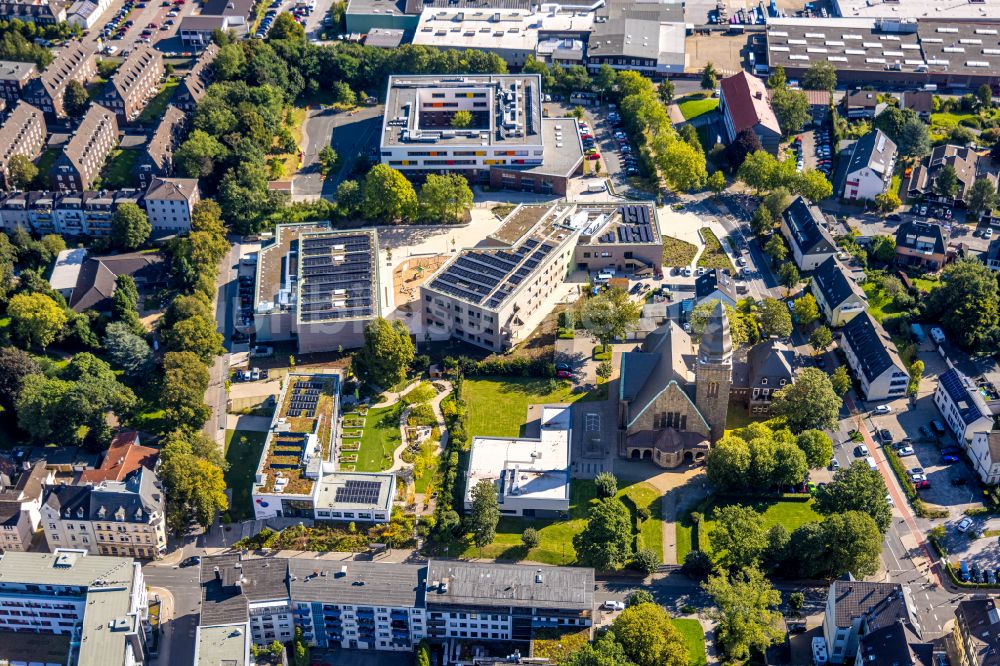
[
  {"x": 229, "y": 582},
  {"x": 223, "y": 645},
  {"x": 69, "y": 60},
  {"x": 712, "y": 281},
  {"x": 772, "y": 360},
  {"x": 385, "y": 38},
  {"x": 965, "y": 395},
  {"x": 873, "y": 347},
  {"x": 130, "y": 501},
  {"x": 979, "y": 622},
  {"x": 716, "y": 342},
  {"x": 192, "y": 87},
  {"x": 12, "y": 70},
  {"x": 880, "y": 604},
  {"x": 357, "y": 583},
  {"x": 160, "y": 149},
  {"x": 509, "y": 585},
  {"x": 834, "y": 284},
  {"x": 805, "y": 223},
  {"x": 894, "y": 645},
  {"x": 874, "y": 150},
  {"x": 915, "y": 234},
  {"x": 28, "y": 488},
  {"x": 660, "y": 361},
  {"x": 69, "y": 501}
]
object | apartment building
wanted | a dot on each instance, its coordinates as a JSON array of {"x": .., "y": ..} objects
[
  {"x": 975, "y": 635},
  {"x": 857, "y": 608},
  {"x": 84, "y": 155},
  {"x": 870, "y": 170},
  {"x": 744, "y": 105},
  {"x": 493, "y": 296},
  {"x": 839, "y": 296},
  {"x": 20, "y": 501},
  {"x": 507, "y": 143},
  {"x": 73, "y": 62},
  {"x": 921, "y": 244},
  {"x": 169, "y": 203},
  {"x": 14, "y": 76},
  {"x": 804, "y": 228},
  {"x": 134, "y": 83},
  {"x": 43, "y": 12},
  {"x": 317, "y": 286},
  {"x": 70, "y": 213},
  {"x": 157, "y": 157},
  {"x": 23, "y": 133},
  {"x": 874, "y": 359},
  {"x": 192, "y": 87},
  {"x": 392, "y": 606},
  {"x": 110, "y": 518},
  {"x": 962, "y": 406},
  {"x": 91, "y": 609},
  {"x": 228, "y": 644}
]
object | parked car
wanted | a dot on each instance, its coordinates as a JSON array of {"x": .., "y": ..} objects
[
  {"x": 564, "y": 374},
  {"x": 613, "y": 605},
  {"x": 906, "y": 451},
  {"x": 925, "y": 431},
  {"x": 883, "y": 409},
  {"x": 938, "y": 427},
  {"x": 885, "y": 436},
  {"x": 835, "y": 464},
  {"x": 923, "y": 484},
  {"x": 861, "y": 450},
  {"x": 949, "y": 459}
]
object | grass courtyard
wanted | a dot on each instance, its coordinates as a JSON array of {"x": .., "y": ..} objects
[
  {"x": 158, "y": 104},
  {"x": 677, "y": 252},
  {"x": 499, "y": 406},
  {"x": 242, "y": 451},
  {"x": 694, "y": 639},
  {"x": 378, "y": 440},
  {"x": 714, "y": 256},
  {"x": 879, "y": 303},
  {"x": 696, "y": 105},
  {"x": 118, "y": 171},
  {"x": 790, "y": 513}
]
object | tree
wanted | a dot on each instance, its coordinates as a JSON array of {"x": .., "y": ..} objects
[
  {"x": 762, "y": 222},
  {"x": 777, "y": 79},
  {"x": 810, "y": 402},
  {"x": 300, "y": 649},
  {"x": 985, "y": 95},
  {"x": 349, "y": 198},
  {"x": 776, "y": 201},
  {"x": 21, "y": 172},
  {"x": 775, "y": 319},
  {"x": 445, "y": 198},
  {"x": 821, "y": 338},
  {"x": 681, "y": 164},
  {"x": 961, "y": 136},
  {"x": 913, "y": 138},
  {"x": 743, "y": 603},
  {"x": 127, "y": 351},
  {"x": 485, "y": 513},
  {"x": 605, "y": 369},
  {"x": 37, "y": 319},
  {"x": 182, "y": 395},
  {"x": 286, "y": 27},
  {"x": 946, "y": 183},
  {"x": 758, "y": 170},
  {"x": 806, "y": 310},
  {"x": 195, "y": 334},
  {"x": 747, "y": 143},
  {"x": 196, "y": 489},
  {"x": 604, "y": 651},
  {"x": 840, "y": 381},
  {"x": 813, "y": 185},
  {"x": 75, "y": 99},
  {"x": 199, "y": 154},
  {"x": 388, "y": 194},
  {"x": 606, "y": 78},
  {"x": 709, "y": 77},
  {"x": 530, "y": 538},
  {"x": 610, "y": 315},
  {"x": 739, "y": 537},
  {"x": 791, "y": 108},
  {"x": 648, "y": 636},
  {"x": 717, "y": 181},
  {"x": 697, "y": 564},
  {"x": 637, "y": 597},
  {"x": 387, "y": 353},
  {"x": 665, "y": 91},
  {"x": 646, "y": 561},
  {"x": 887, "y": 201},
  {"x": 982, "y": 198},
  {"x": 606, "y": 541},
  {"x": 606, "y": 484},
  {"x": 130, "y": 226},
  {"x": 423, "y": 654},
  {"x": 789, "y": 275},
  {"x": 843, "y": 543},
  {"x": 856, "y": 488},
  {"x": 15, "y": 365},
  {"x": 821, "y": 75},
  {"x": 728, "y": 464},
  {"x": 790, "y": 465},
  {"x": 967, "y": 303},
  {"x": 461, "y": 119},
  {"x": 328, "y": 159},
  {"x": 882, "y": 248}
]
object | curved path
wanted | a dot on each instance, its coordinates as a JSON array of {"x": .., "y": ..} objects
[{"x": 435, "y": 404}]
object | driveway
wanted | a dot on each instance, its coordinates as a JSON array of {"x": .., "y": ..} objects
[{"x": 352, "y": 135}]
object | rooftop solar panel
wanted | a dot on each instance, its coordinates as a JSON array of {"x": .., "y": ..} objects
[{"x": 358, "y": 492}]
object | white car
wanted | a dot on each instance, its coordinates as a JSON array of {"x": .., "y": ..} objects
[
  {"x": 613, "y": 605},
  {"x": 917, "y": 477},
  {"x": 862, "y": 450},
  {"x": 888, "y": 498},
  {"x": 905, "y": 451},
  {"x": 965, "y": 524},
  {"x": 883, "y": 409}
]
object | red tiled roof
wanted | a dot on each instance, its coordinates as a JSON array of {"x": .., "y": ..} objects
[
  {"x": 123, "y": 457},
  {"x": 747, "y": 102}
]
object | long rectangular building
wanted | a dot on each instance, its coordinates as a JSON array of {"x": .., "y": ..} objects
[
  {"x": 134, "y": 83},
  {"x": 86, "y": 151},
  {"x": 23, "y": 133},
  {"x": 73, "y": 62}
]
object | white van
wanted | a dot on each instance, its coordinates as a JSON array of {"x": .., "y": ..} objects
[
  {"x": 605, "y": 275},
  {"x": 871, "y": 463},
  {"x": 599, "y": 186},
  {"x": 937, "y": 335}
]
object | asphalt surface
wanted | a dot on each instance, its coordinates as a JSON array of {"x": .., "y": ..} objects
[
  {"x": 178, "y": 631},
  {"x": 352, "y": 135},
  {"x": 226, "y": 302}
]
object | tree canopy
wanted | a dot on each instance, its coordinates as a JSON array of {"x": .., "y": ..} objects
[
  {"x": 648, "y": 637},
  {"x": 386, "y": 354},
  {"x": 610, "y": 315},
  {"x": 809, "y": 402},
  {"x": 743, "y": 609},
  {"x": 856, "y": 488},
  {"x": 606, "y": 542}
]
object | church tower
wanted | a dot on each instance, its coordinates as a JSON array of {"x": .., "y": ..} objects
[{"x": 713, "y": 372}]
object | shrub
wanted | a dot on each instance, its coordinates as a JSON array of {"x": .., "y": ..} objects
[
  {"x": 970, "y": 122},
  {"x": 646, "y": 560},
  {"x": 530, "y": 538},
  {"x": 607, "y": 484}
]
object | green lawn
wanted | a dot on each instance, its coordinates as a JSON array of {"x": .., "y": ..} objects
[
  {"x": 790, "y": 513},
  {"x": 158, "y": 104},
  {"x": 45, "y": 163},
  {"x": 677, "y": 252},
  {"x": 697, "y": 104},
  {"x": 949, "y": 120},
  {"x": 243, "y": 449},
  {"x": 694, "y": 638},
  {"x": 117, "y": 172},
  {"x": 379, "y": 439},
  {"x": 499, "y": 406},
  {"x": 556, "y": 545},
  {"x": 713, "y": 256},
  {"x": 738, "y": 417},
  {"x": 879, "y": 305},
  {"x": 923, "y": 284}
]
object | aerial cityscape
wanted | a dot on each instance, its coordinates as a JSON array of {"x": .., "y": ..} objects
[{"x": 484, "y": 332}]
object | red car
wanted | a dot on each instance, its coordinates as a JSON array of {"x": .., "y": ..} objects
[
  {"x": 152, "y": 25},
  {"x": 922, "y": 485},
  {"x": 594, "y": 156},
  {"x": 564, "y": 374}
]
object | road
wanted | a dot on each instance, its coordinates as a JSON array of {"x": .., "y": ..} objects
[{"x": 182, "y": 608}]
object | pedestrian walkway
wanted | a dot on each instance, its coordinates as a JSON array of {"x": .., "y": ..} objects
[{"x": 435, "y": 403}]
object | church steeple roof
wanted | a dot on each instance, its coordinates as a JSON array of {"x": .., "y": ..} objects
[{"x": 716, "y": 342}]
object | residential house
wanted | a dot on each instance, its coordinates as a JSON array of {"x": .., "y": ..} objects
[
  {"x": 192, "y": 87},
  {"x": 860, "y": 104},
  {"x": 716, "y": 285},
  {"x": 984, "y": 452},
  {"x": 920, "y": 244},
  {"x": 157, "y": 157},
  {"x": 73, "y": 62},
  {"x": 895, "y": 644},
  {"x": 770, "y": 368},
  {"x": 134, "y": 83},
  {"x": 869, "y": 171},
  {"x": 88, "y": 213},
  {"x": 920, "y": 102},
  {"x": 40, "y": 13},
  {"x": 874, "y": 359},
  {"x": 961, "y": 404},
  {"x": 804, "y": 228},
  {"x": 69, "y": 607},
  {"x": 97, "y": 280},
  {"x": 968, "y": 168},
  {"x": 20, "y": 502},
  {"x": 84, "y": 155},
  {"x": 124, "y": 517},
  {"x": 992, "y": 256},
  {"x": 975, "y": 635},
  {"x": 838, "y": 295},
  {"x": 124, "y": 456},
  {"x": 169, "y": 203},
  {"x": 744, "y": 104},
  {"x": 22, "y": 133},
  {"x": 856, "y": 609},
  {"x": 14, "y": 77},
  {"x": 66, "y": 270}
]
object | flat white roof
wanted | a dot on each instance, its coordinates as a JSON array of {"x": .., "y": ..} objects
[
  {"x": 67, "y": 268},
  {"x": 982, "y": 9},
  {"x": 516, "y": 29},
  {"x": 528, "y": 468},
  {"x": 354, "y": 491}
]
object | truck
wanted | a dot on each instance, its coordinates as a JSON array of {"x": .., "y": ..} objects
[{"x": 596, "y": 187}]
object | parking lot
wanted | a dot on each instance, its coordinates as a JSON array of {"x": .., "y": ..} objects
[{"x": 154, "y": 22}]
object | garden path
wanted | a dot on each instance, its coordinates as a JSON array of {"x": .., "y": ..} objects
[{"x": 435, "y": 404}]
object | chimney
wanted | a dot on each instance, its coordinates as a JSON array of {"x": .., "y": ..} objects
[{"x": 759, "y": 95}]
